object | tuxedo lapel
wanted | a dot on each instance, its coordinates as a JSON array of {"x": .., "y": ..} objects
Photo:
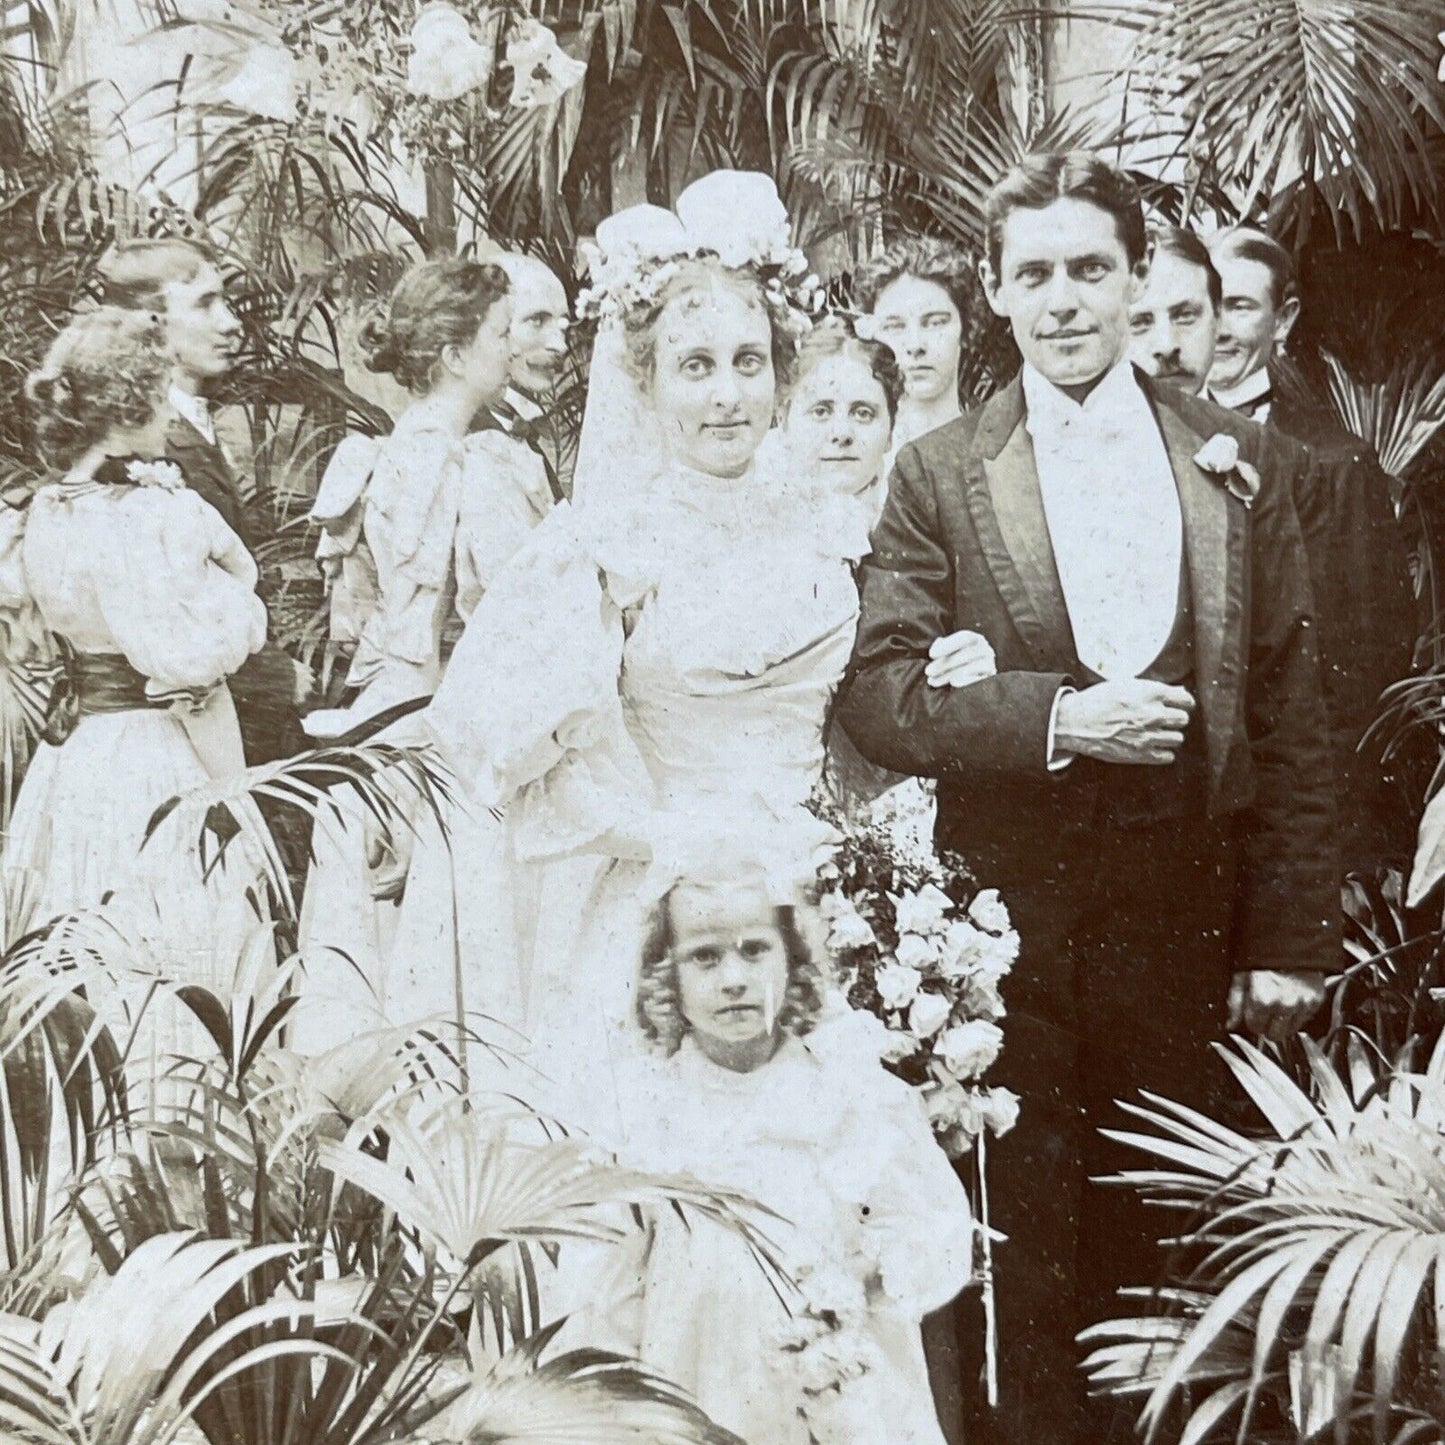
[
  {"x": 1002, "y": 488},
  {"x": 1215, "y": 537}
]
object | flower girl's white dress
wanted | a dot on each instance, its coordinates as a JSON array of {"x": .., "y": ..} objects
[{"x": 844, "y": 1154}]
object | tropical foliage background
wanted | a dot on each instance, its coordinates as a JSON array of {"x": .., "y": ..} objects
[{"x": 318, "y": 1249}]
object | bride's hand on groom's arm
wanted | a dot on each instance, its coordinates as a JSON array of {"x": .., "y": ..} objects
[{"x": 959, "y": 659}]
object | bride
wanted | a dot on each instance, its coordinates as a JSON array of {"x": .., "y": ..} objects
[{"x": 672, "y": 638}]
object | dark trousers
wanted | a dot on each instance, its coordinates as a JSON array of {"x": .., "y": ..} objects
[{"x": 1120, "y": 986}]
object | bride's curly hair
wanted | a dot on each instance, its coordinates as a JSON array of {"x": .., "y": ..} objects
[
  {"x": 659, "y": 1002},
  {"x": 435, "y": 305},
  {"x": 108, "y": 368},
  {"x": 694, "y": 276}
]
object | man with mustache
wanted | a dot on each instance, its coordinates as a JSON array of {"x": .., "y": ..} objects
[
  {"x": 178, "y": 280},
  {"x": 1145, "y": 777},
  {"x": 1357, "y": 557},
  {"x": 1175, "y": 321},
  {"x": 538, "y": 336}
]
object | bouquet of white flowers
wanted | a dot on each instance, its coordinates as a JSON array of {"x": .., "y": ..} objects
[
  {"x": 924, "y": 951},
  {"x": 825, "y": 1351}
]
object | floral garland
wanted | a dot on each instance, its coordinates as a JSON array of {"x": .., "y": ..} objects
[
  {"x": 824, "y": 1350},
  {"x": 921, "y": 954}
]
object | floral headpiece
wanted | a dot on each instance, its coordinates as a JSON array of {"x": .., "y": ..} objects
[{"x": 736, "y": 216}]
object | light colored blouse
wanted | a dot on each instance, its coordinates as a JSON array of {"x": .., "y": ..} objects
[{"x": 415, "y": 527}]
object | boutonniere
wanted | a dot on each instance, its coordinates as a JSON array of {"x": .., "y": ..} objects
[
  {"x": 166, "y": 475},
  {"x": 1219, "y": 456}
]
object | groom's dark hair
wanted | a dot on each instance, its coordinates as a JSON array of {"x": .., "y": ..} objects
[{"x": 1040, "y": 180}]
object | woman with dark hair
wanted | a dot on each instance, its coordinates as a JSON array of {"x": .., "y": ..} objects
[
  {"x": 415, "y": 527},
  {"x": 153, "y": 599},
  {"x": 867, "y": 1217},
  {"x": 915, "y": 298}
]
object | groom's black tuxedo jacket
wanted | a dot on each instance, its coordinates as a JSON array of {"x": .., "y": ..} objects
[{"x": 963, "y": 542}]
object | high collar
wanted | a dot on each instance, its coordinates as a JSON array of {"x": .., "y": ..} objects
[
  {"x": 196, "y": 410},
  {"x": 1052, "y": 416},
  {"x": 1254, "y": 388}
]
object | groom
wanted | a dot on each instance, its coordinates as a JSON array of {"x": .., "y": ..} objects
[{"x": 1145, "y": 778}]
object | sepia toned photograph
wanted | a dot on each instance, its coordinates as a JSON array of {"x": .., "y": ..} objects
[{"x": 722, "y": 722}]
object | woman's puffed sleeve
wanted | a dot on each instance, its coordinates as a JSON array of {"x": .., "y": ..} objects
[
  {"x": 529, "y": 714},
  {"x": 181, "y": 603},
  {"x": 917, "y": 1224},
  {"x": 504, "y": 496}
]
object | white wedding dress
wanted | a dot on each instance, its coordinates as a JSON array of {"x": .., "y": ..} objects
[{"x": 669, "y": 655}]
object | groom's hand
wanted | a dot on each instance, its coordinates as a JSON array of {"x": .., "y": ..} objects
[
  {"x": 1127, "y": 721},
  {"x": 1275, "y": 1005}
]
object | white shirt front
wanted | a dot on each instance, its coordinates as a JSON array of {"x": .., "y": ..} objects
[
  {"x": 1112, "y": 508},
  {"x": 1251, "y": 395},
  {"x": 196, "y": 410}
]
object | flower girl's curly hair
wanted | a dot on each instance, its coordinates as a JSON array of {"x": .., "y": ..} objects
[
  {"x": 659, "y": 1002},
  {"x": 435, "y": 305},
  {"x": 108, "y": 368},
  {"x": 694, "y": 277}
]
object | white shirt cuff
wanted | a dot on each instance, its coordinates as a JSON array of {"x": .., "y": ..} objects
[{"x": 1056, "y": 761}]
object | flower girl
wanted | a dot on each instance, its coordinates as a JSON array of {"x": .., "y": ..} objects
[{"x": 870, "y": 1224}]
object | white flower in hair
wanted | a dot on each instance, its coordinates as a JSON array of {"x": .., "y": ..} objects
[{"x": 165, "y": 475}]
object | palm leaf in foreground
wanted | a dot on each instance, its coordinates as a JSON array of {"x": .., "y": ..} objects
[
  {"x": 1324, "y": 1243},
  {"x": 583, "y": 1397}
]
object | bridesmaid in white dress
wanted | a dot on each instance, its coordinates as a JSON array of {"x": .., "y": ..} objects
[
  {"x": 670, "y": 640},
  {"x": 872, "y": 1220},
  {"x": 154, "y": 600},
  {"x": 415, "y": 527}
]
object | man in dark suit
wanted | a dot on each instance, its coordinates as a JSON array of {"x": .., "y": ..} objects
[
  {"x": 538, "y": 336},
  {"x": 1145, "y": 777},
  {"x": 1358, "y": 566},
  {"x": 177, "y": 280}
]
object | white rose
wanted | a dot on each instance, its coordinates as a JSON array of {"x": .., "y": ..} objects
[
  {"x": 1000, "y": 1110},
  {"x": 982, "y": 1000},
  {"x": 989, "y": 912},
  {"x": 849, "y": 929},
  {"x": 966, "y": 1050},
  {"x": 929, "y": 1013},
  {"x": 996, "y": 958},
  {"x": 916, "y": 952},
  {"x": 964, "y": 947},
  {"x": 898, "y": 1046},
  {"x": 923, "y": 911},
  {"x": 1219, "y": 454},
  {"x": 897, "y": 985}
]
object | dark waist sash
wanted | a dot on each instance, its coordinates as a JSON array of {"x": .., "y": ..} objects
[{"x": 91, "y": 683}]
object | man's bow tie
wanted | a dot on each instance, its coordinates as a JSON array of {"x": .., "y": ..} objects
[{"x": 525, "y": 429}]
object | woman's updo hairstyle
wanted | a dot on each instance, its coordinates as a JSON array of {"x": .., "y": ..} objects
[
  {"x": 108, "y": 368},
  {"x": 927, "y": 258},
  {"x": 436, "y": 305},
  {"x": 659, "y": 999},
  {"x": 695, "y": 277},
  {"x": 835, "y": 336}
]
